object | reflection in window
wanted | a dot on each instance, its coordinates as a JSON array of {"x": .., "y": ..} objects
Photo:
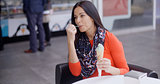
[
  {"x": 14, "y": 8},
  {"x": 141, "y": 15},
  {"x": 63, "y": 5}
]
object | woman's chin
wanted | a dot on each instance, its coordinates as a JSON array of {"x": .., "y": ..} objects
[{"x": 82, "y": 31}]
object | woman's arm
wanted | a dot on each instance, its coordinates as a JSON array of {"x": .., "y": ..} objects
[
  {"x": 117, "y": 53},
  {"x": 72, "y": 52},
  {"x": 71, "y": 31},
  {"x": 74, "y": 64}
]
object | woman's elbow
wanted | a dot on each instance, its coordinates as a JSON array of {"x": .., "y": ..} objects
[
  {"x": 76, "y": 73},
  {"x": 124, "y": 71}
]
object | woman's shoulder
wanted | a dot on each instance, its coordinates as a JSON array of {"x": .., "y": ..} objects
[
  {"x": 109, "y": 34},
  {"x": 111, "y": 37}
]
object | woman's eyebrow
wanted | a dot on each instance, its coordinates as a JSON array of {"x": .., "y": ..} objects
[{"x": 79, "y": 14}]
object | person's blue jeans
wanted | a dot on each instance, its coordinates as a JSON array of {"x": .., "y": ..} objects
[{"x": 35, "y": 19}]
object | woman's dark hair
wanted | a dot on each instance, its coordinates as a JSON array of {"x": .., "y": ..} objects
[{"x": 91, "y": 11}]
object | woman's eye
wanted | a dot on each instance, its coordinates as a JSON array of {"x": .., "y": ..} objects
[
  {"x": 75, "y": 17},
  {"x": 82, "y": 15}
]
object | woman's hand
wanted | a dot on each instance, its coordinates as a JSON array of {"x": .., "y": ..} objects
[
  {"x": 105, "y": 64},
  {"x": 71, "y": 32}
]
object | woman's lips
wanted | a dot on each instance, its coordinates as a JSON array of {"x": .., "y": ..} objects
[{"x": 80, "y": 26}]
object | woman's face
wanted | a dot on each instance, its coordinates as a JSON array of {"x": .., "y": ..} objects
[{"x": 83, "y": 21}]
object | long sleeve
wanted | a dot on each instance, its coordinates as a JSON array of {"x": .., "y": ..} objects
[
  {"x": 117, "y": 54},
  {"x": 75, "y": 68}
]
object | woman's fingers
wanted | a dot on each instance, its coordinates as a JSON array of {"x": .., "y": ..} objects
[
  {"x": 71, "y": 29},
  {"x": 104, "y": 61},
  {"x": 103, "y": 64}
]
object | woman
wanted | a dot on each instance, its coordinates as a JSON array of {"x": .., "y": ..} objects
[{"x": 84, "y": 35}]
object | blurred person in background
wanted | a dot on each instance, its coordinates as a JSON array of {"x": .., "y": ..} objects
[
  {"x": 46, "y": 18},
  {"x": 34, "y": 13},
  {"x": 1, "y": 40}
]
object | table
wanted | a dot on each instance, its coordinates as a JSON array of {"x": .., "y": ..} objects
[{"x": 118, "y": 79}]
